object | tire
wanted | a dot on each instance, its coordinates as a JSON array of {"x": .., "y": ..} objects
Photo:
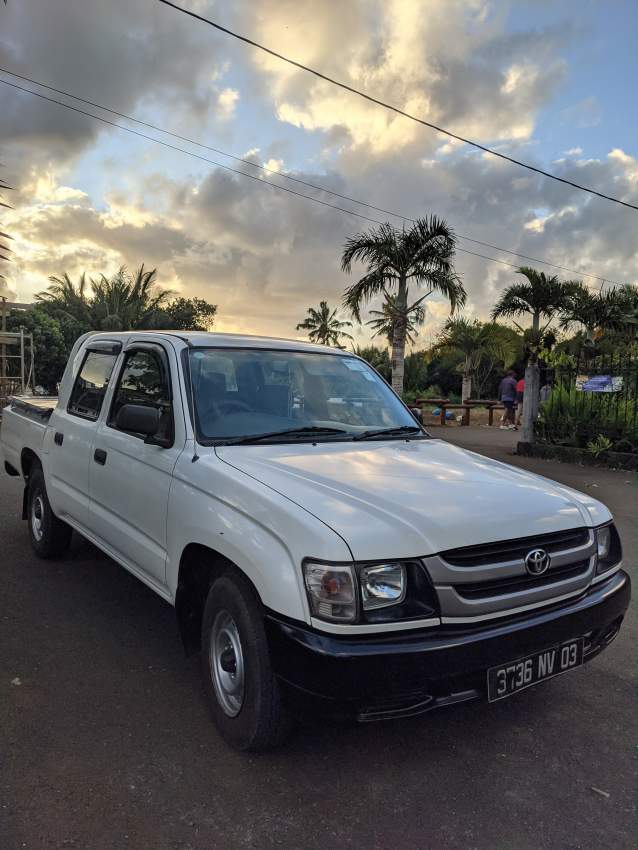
[
  {"x": 50, "y": 537},
  {"x": 246, "y": 704}
]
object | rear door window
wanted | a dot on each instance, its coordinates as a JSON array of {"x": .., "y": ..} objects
[{"x": 91, "y": 385}]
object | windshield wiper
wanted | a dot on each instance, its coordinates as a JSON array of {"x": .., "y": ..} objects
[
  {"x": 288, "y": 432},
  {"x": 388, "y": 432}
]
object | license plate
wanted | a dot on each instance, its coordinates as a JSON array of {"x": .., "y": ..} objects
[{"x": 508, "y": 679}]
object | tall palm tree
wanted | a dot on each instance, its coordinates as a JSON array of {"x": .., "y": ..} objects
[
  {"x": 422, "y": 254},
  {"x": 385, "y": 319},
  {"x": 474, "y": 340},
  {"x": 595, "y": 311},
  {"x": 324, "y": 327},
  {"x": 541, "y": 296}
]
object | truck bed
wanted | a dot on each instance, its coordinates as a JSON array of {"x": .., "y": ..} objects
[
  {"x": 24, "y": 423},
  {"x": 39, "y": 408}
]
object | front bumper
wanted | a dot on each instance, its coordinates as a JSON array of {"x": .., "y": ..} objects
[{"x": 373, "y": 677}]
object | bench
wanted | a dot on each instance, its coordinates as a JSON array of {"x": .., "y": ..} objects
[{"x": 464, "y": 407}]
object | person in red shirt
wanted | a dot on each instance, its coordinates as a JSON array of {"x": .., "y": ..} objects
[{"x": 520, "y": 392}]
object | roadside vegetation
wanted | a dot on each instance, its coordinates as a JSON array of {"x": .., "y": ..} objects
[{"x": 560, "y": 327}]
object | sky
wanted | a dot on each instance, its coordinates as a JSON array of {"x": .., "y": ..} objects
[{"x": 551, "y": 83}]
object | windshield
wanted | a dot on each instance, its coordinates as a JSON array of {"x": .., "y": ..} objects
[{"x": 244, "y": 393}]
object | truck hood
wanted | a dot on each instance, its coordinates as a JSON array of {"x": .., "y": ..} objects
[{"x": 399, "y": 499}]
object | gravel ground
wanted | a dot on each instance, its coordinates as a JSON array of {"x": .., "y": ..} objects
[{"x": 105, "y": 739}]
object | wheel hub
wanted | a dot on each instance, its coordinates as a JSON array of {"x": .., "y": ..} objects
[
  {"x": 227, "y": 664},
  {"x": 37, "y": 517}
]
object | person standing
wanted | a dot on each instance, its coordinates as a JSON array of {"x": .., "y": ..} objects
[
  {"x": 520, "y": 392},
  {"x": 507, "y": 394}
]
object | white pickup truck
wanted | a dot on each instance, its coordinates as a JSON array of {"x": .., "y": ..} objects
[{"x": 320, "y": 548}]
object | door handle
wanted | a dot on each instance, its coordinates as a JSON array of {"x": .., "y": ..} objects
[
  {"x": 99, "y": 456},
  {"x": 58, "y": 438}
]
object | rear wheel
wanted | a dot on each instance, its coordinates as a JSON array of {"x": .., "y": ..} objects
[
  {"x": 50, "y": 537},
  {"x": 243, "y": 692}
]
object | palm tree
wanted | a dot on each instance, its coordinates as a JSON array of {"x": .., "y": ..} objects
[
  {"x": 595, "y": 311},
  {"x": 394, "y": 258},
  {"x": 385, "y": 319},
  {"x": 324, "y": 327},
  {"x": 118, "y": 303},
  {"x": 474, "y": 340},
  {"x": 540, "y": 296},
  {"x": 68, "y": 298},
  {"x": 122, "y": 303}
]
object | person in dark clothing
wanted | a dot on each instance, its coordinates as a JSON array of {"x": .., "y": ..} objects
[{"x": 507, "y": 394}]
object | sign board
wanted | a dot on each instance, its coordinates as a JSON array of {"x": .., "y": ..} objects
[{"x": 599, "y": 383}]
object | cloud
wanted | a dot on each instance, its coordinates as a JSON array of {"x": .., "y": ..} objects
[
  {"x": 439, "y": 66},
  {"x": 226, "y": 102}
]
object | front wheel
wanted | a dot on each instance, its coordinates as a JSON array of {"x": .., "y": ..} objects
[
  {"x": 243, "y": 692},
  {"x": 50, "y": 537}
]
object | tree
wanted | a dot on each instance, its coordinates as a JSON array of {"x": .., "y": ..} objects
[
  {"x": 386, "y": 318},
  {"x": 65, "y": 297},
  {"x": 540, "y": 296},
  {"x": 595, "y": 311},
  {"x": 376, "y": 357},
  {"x": 394, "y": 258},
  {"x": 119, "y": 303},
  {"x": 186, "y": 314},
  {"x": 479, "y": 344},
  {"x": 324, "y": 327},
  {"x": 50, "y": 345},
  {"x": 122, "y": 302}
]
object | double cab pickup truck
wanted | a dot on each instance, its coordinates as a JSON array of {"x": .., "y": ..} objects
[{"x": 322, "y": 551}]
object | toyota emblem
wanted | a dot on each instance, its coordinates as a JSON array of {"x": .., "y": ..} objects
[{"x": 537, "y": 562}]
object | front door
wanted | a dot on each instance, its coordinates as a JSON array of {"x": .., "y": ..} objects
[{"x": 130, "y": 478}]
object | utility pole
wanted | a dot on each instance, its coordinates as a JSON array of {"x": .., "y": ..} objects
[
  {"x": 530, "y": 400},
  {"x": 3, "y": 349}
]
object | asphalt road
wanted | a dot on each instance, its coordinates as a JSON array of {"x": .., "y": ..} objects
[{"x": 105, "y": 739}]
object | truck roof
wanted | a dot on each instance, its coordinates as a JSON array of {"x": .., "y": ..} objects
[{"x": 210, "y": 339}]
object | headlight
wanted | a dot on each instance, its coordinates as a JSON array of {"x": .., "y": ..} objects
[
  {"x": 609, "y": 549},
  {"x": 382, "y": 585},
  {"x": 603, "y": 537},
  {"x": 369, "y": 593},
  {"x": 331, "y": 591}
]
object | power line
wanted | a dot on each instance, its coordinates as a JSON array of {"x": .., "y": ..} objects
[
  {"x": 290, "y": 178},
  {"x": 396, "y": 109}
]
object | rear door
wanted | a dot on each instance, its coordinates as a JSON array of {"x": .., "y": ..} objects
[
  {"x": 72, "y": 429},
  {"x": 130, "y": 478}
]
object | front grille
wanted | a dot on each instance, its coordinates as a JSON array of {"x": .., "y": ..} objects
[
  {"x": 517, "y": 584},
  {"x": 513, "y": 550}
]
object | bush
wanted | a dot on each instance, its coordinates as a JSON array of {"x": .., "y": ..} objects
[{"x": 570, "y": 417}]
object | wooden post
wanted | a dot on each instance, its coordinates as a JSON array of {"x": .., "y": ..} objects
[
  {"x": 530, "y": 401},
  {"x": 443, "y": 412}
]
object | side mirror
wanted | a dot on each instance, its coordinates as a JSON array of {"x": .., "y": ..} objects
[
  {"x": 418, "y": 414},
  {"x": 139, "y": 419}
]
